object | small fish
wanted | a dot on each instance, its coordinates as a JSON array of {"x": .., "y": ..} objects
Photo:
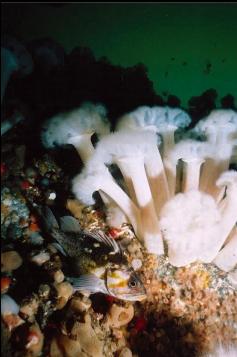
[
  {"x": 122, "y": 283},
  {"x": 98, "y": 262}
]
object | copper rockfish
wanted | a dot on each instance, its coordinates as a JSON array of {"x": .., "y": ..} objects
[{"x": 98, "y": 263}]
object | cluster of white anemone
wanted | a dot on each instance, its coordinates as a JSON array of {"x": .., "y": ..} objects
[{"x": 174, "y": 189}]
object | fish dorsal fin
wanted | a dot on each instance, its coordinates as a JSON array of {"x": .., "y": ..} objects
[
  {"x": 101, "y": 237},
  {"x": 70, "y": 224},
  {"x": 88, "y": 283}
]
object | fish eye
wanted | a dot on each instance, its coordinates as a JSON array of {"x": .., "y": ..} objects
[{"x": 132, "y": 283}]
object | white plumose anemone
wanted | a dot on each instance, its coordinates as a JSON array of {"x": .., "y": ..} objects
[
  {"x": 185, "y": 221},
  {"x": 223, "y": 351},
  {"x": 191, "y": 206}
]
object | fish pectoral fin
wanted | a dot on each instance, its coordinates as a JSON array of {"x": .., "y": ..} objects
[
  {"x": 70, "y": 224},
  {"x": 49, "y": 220},
  {"x": 103, "y": 238},
  {"x": 88, "y": 282},
  {"x": 59, "y": 248}
]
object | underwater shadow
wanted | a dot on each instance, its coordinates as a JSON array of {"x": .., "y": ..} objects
[{"x": 165, "y": 336}]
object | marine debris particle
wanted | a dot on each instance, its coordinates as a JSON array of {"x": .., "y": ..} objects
[{"x": 207, "y": 68}]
